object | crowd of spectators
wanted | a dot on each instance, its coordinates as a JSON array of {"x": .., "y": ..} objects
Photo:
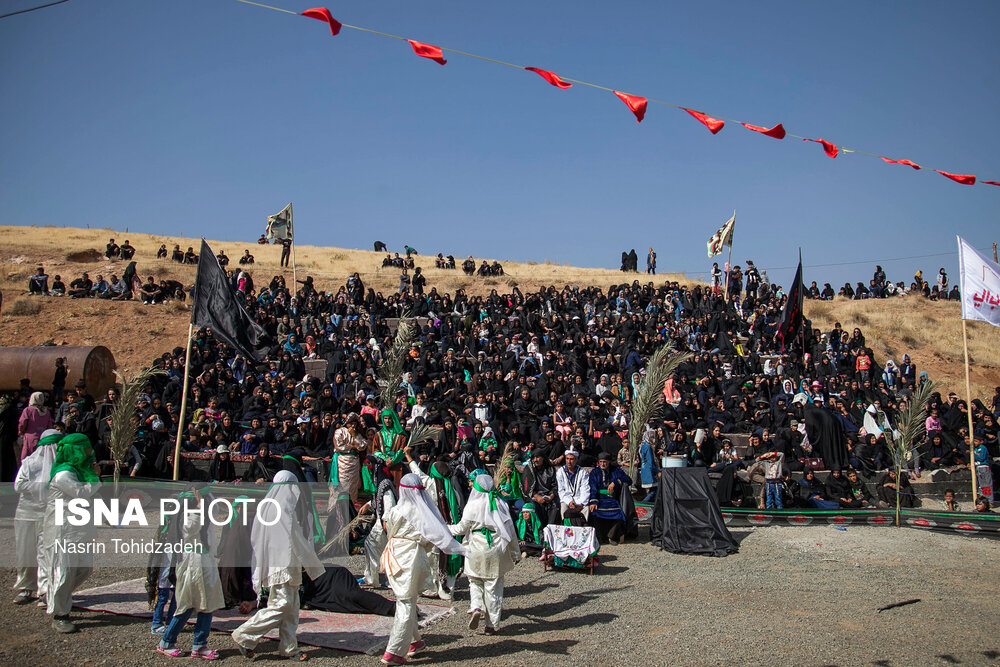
[{"x": 540, "y": 372}]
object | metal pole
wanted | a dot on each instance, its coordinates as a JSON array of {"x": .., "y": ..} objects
[
  {"x": 968, "y": 409},
  {"x": 184, "y": 400}
]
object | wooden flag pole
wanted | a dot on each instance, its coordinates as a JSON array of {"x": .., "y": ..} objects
[
  {"x": 184, "y": 399},
  {"x": 729, "y": 262},
  {"x": 995, "y": 253},
  {"x": 968, "y": 410},
  {"x": 293, "y": 267}
]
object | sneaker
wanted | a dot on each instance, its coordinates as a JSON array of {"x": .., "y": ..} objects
[
  {"x": 24, "y": 597},
  {"x": 158, "y": 630},
  {"x": 392, "y": 659},
  {"x": 63, "y": 624},
  {"x": 170, "y": 652},
  {"x": 475, "y": 616},
  {"x": 205, "y": 653},
  {"x": 489, "y": 630},
  {"x": 415, "y": 648}
]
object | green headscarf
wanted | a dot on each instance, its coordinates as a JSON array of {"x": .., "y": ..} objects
[
  {"x": 454, "y": 563},
  {"x": 512, "y": 487},
  {"x": 75, "y": 454},
  {"x": 51, "y": 439},
  {"x": 389, "y": 433},
  {"x": 535, "y": 527}
]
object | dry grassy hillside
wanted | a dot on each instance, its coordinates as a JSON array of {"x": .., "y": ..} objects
[{"x": 930, "y": 332}]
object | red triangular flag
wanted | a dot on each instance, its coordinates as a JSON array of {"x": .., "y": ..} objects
[
  {"x": 635, "y": 103},
  {"x": 323, "y": 14},
  {"x": 776, "y": 132},
  {"x": 906, "y": 162},
  {"x": 829, "y": 148},
  {"x": 428, "y": 51},
  {"x": 964, "y": 179},
  {"x": 713, "y": 124},
  {"x": 551, "y": 77},
  {"x": 991, "y": 182}
]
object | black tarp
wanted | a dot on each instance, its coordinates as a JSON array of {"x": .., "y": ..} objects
[{"x": 686, "y": 517}]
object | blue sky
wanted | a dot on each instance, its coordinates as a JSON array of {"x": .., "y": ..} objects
[{"x": 202, "y": 117}]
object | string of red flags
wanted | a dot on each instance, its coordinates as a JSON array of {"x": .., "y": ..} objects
[{"x": 637, "y": 104}]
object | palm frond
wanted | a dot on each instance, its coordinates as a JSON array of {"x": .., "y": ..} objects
[
  {"x": 390, "y": 371},
  {"x": 124, "y": 421},
  {"x": 342, "y": 538},
  {"x": 648, "y": 401},
  {"x": 503, "y": 473},
  {"x": 910, "y": 425},
  {"x": 421, "y": 433}
]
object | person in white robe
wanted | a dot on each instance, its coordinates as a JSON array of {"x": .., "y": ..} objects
[
  {"x": 413, "y": 527},
  {"x": 493, "y": 551},
  {"x": 573, "y": 484},
  {"x": 74, "y": 474},
  {"x": 280, "y": 552},
  {"x": 32, "y": 486},
  {"x": 383, "y": 501},
  {"x": 434, "y": 585},
  {"x": 198, "y": 587}
]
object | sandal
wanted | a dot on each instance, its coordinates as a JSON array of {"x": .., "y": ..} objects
[
  {"x": 301, "y": 656},
  {"x": 170, "y": 652},
  {"x": 246, "y": 652},
  {"x": 205, "y": 653}
]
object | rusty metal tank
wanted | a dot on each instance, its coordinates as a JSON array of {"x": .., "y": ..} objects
[{"x": 95, "y": 365}]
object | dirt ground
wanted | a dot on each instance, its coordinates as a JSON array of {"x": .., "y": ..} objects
[{"x": 803, "y": 596}]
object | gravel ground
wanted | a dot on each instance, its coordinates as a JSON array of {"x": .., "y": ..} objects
[{"x": 791, "y": 596}]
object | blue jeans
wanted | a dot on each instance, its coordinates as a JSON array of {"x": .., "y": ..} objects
[
  {"x": 201, "y": 628},
  {"x": 164, "y": 595},
  {"x": 651, "y": 496},
  {"x": 774, "y": 495}
]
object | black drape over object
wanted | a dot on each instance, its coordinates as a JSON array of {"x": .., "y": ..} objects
[
  {"x": 686, "y": 516},
  {"x": 826, "y": 434},
  {"x": 215, "y": 306},
  {"x": 337, "y": 590}
]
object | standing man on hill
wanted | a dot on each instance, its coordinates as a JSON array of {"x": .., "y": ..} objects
[
  {"x": 286, "y": 252},
  {"x": 651, "y": 262}
]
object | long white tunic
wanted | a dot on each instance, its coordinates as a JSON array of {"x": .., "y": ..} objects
[
  {"x": 484, "y": 561},
  {"x": 404, "y": 559},
  {"x": 576, "y": 490},
  {"x": 198, "y": 584},
  {"x": 65, "y": 486}
]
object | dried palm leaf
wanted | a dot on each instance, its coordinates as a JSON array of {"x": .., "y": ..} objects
[
  {"x": 911, "y": 426},
  {"x": 390, "y": 370},
  {"x": 648, "y": 401},
  {"x": 124, "y": 418},
  {"x": 421, "y": 433}
]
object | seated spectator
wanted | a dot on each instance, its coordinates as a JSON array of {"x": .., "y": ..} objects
[
  {"x": 39, "y": 282},
  {"x": 177, "y": 255},
  {"x": 262, "y": 240},
  {"x": 58, "y": 287},
  {"x": 162, "y": 252},
  {"x": 223, "y": 259},
  {"x": 127, "y": 251},
  {"x": 112, "y": 251},
  {"x": 100, "y": 287},
  {"x": 856, "y": 493},
  {"x": 81, "y": 287},
  {"x": 888, "y": 488},
  {"x": 247, "y": 258},
  {"x": 190, "y": 257},
  {"x": 150, "y": 292}
]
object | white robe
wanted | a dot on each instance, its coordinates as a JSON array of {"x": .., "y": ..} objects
[
  {"x": 68, "y": 570},
  {"x": 577, "y": 491},
  {"x": 485, "y": 561},
  {"x": 404, "y": 559},
  {"x": 198, "y": 587}
]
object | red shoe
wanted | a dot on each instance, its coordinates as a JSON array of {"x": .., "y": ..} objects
[
  {"x": 392, "y": 659},
  {"x": 415, "y": 648}
]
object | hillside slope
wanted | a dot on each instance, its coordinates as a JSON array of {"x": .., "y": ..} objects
[{"x": 930, "y": 332}]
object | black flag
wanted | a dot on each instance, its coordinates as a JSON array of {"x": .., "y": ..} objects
[
  {"x": 216, "y": 307},
  {"x": 791, "y": 314}
]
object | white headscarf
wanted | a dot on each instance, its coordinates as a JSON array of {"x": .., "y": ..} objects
[
  {"x": 36, "y": 399},
  {"x": 417, "y": 507},
  {"x": 487, "y": 512},
  {"x": 279, "y": 548},
  {"x": 32, "y": 481}
]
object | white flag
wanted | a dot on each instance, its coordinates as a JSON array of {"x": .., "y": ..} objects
[
  {"x": 279, "y": 226},
  {"x": 723, "y": 237},
  {"x": 980, "y": 285}
]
